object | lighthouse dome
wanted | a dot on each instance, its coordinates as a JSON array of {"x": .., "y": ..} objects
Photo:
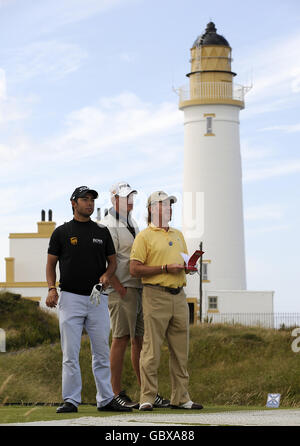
[{"x": 210, "y": 37}]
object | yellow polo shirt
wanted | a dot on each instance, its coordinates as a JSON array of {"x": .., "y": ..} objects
[{"x": 155, "y": 247}]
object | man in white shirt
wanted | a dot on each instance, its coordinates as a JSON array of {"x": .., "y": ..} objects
[{"x": 125, "y": 291}]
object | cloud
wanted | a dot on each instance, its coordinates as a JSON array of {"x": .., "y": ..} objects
[
  {"x": 50, "y": 59},
  {"x": 265, "y": 218},
  {"x": 12, "y": 109},
  {"x": 277, "y": 73},
  {"x": 118, "y": 134},
  {"x": 264, "y": 212},
  {"x": 291, "y": 128},
  {"x": 268, "y": 229},
  {"x": 283, "y": 168},
  {"x": 120, "y": 121},
  {"x": 2, "y": 85},
  {"x": 6, "y": 2},
  {"x": 250, "y": 153},
  {"x": 47, "y": 16},
  {"x": 136, "y": 132},
  {"x": 71, "y": 11},
  {"x": 15, "y": 109},
  {"x": 265, "y": 163},
  {"x": 126, "y": 56}
]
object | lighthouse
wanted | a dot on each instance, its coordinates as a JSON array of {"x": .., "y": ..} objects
[{"x": 212, "y": 177}]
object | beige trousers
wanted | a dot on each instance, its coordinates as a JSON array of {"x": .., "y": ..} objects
[{"x": 165, "y": 316}]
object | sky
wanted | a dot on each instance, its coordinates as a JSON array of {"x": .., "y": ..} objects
[{"x": 88, "y": 97}]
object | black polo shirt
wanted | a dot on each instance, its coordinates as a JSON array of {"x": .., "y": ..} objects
[{"x": 82, "y": 249}]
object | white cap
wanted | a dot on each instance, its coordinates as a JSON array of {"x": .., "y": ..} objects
[
  {"x": 122, "y": 189},
  {"x": 160, "y": 196}
]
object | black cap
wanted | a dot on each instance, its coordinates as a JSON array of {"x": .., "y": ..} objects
[{"x": 81, "y": 191}]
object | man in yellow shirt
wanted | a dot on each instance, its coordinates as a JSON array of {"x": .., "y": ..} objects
[{"x": 156, "y": 258}]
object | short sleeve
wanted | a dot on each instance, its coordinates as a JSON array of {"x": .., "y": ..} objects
[
  {"x": 110, "y": 247},
  {"x": 139, "y": 249},
  {"x": 184, "y": 244},
  {"x": 55, "y": 246}
]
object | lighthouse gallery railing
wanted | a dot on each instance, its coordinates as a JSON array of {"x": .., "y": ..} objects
[{"x": 212, "y": 90}]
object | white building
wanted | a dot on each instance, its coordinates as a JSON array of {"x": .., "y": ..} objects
[
  {"x": 26, "y": 264},
  {"x": 212, "y": 184}
]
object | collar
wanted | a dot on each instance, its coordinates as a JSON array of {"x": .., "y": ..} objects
[
  {"x": 117, "y": 216},
  {"x": 81, "y": 222},
  {"x": 156, "y": 228}
]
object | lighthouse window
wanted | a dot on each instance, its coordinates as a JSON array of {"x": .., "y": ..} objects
[
  {"x": 209, "y": 125},
  {"x": 204, "y": 271}
]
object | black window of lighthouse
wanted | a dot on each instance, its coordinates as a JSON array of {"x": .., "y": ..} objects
[{"x": 209, "y": 123}]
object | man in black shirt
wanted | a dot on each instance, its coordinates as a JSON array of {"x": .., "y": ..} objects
[{"x": 86, "y": 256}]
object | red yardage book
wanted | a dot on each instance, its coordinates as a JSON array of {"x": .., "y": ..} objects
[{"x": 191, "y": 266}]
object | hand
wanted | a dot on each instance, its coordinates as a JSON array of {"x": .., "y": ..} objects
[
  {"x": 175, "y": 268},
  {"x": 52, "y": 298},
  {"x": 122, "y": 291},
  {"x": 104, "y": 279}
]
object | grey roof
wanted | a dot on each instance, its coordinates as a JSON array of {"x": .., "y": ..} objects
[{"x": 210, "y": 37}]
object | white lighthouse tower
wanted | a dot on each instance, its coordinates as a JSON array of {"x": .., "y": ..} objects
[{"x": 212, "y": 185}]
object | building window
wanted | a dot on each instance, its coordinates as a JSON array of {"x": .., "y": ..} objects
[
  {"x": 209, "y": 125},
  {"x": 204, "y": 271},
  {"x": 212, "y": 302}
]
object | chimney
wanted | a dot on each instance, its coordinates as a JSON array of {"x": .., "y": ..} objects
[
  {"x": 43, "y": 215},
  {"x": 50, "y": 215}
]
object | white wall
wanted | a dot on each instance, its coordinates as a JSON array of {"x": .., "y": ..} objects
[
  {"x": 212, "y": 165},
  {"x": 241, "y": 301},
  {"x": 30, "y": 258}
]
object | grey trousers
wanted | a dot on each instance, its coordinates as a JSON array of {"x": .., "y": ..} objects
[{"x": 76, "y": 312}]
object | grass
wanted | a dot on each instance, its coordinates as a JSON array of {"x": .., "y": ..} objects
[
  {"x": 27, "y": 414},
  {"x": 25, "y": 324},
  {"x": 229, "y": 366}
]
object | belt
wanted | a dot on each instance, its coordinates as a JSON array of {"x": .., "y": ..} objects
[{"x": 166, "y": 288}]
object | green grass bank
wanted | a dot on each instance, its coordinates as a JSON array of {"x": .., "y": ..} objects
[{"x": 228, "y": 365}]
